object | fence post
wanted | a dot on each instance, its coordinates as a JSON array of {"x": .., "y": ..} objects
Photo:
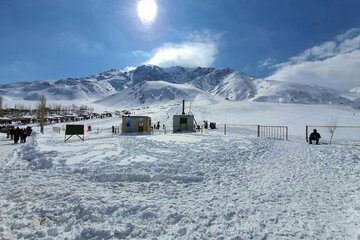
[
  {"x": 258, "y": 130},
  {"x": 306, "y": 133},
  {"x": 165, "y": 130},
  {"x": 224, "y": 129},
  {"x": 202, "y": 129},
  {"x": 287, "y": 133}
]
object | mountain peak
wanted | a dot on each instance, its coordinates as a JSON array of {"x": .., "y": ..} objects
[{"x": 150, "y": 84}]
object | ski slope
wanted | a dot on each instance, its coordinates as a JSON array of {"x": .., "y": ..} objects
[{"x": 183, "y": 186}]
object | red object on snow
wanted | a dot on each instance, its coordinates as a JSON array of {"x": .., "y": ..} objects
[{"x": 89, "y": 128}]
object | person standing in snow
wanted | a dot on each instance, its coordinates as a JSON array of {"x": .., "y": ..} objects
[
  {"x": 28, "y": 131},
  {"x": 89, "y": 128},
  {"x": 17, "y": 133},
  {"x": 23, "y": 136},
  {"x": 12, "y": 132},
  {"x": 314, "y": 136}
]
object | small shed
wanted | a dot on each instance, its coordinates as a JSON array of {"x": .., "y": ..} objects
[
  {"x": 184, "y": 122},
  {"x": 27, "y": 119},
  {"x": 136, "y": 124}
]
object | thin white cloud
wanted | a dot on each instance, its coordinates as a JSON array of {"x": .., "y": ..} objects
[
  {"x": 140, "y": 53},
  {"x": 334, "y": 64},
  {"x": 199, "y": 50},
  {"x": 266, "y": 63},
  {"x": 349, "y": 34},
  {"x": 128, "y": 69}
]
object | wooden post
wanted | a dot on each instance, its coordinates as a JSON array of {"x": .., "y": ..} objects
[
  {"x": 287, "y": 133},
  {"x": 224, "y": 129},
  {"x": 202, "y": 129},
  {"x": 307, "y": 133},
  {"x": 258, "y": 130},
  {"x": 165, "y": 130}
]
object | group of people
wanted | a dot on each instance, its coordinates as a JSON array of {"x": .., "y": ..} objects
[
  {"x": 157, "y": 126},
  {"x": 17, "y": 134}
]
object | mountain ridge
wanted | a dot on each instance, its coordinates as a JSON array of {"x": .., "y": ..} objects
[{"x": 149, "y": 84}]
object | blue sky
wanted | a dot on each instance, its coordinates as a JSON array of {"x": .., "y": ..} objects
[{"x": 278, "y": 39}]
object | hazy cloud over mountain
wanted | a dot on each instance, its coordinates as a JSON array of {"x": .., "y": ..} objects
[
  {"x": 200, "y": 49},
  {"x": 334, "y": 63}
]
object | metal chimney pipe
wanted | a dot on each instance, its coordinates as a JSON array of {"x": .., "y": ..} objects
[{"x": 183, "y": 110}]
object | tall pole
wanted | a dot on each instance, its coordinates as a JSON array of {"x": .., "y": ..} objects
[{"x": 183, "y": 107}]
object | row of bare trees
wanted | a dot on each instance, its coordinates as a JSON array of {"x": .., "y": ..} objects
[
  {"x": 1, "y": 107},
  {"x": 59, "y": 109}
]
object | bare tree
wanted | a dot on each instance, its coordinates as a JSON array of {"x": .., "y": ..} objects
[
  {"x": 332, "y": 126},
  {"x": 41, "y": 112},
  {"x": 1, "y": 107}
]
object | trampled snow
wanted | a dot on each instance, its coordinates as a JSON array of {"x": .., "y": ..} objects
[{"x": 186, "y": 186}]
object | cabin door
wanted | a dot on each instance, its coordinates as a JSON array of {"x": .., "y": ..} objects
[
  {"x": 141, "y": 127},
  {"x": 183, "y": 124}
]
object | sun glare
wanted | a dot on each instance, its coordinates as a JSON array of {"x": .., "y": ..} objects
[{"x": 147, "y": 10}]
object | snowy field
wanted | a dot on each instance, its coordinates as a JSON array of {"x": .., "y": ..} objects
[{"x": 183, "y": 186}]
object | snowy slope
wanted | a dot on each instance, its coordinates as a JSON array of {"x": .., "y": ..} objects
[
  {"x": 151, "y": 92},
  {"x": 184, "y": 186},
  {"x": 151, "y": 84}
]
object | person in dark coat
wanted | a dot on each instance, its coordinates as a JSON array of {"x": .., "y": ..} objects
[
  {"x": 12, "y": 133},
  {"x": 314, "y": 136},
  {"x": 17, "y": 133},
  {"x": 23, "y": 136},
  {"x": 28, "y": 130}
]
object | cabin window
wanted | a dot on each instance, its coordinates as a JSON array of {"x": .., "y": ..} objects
[{"x": 183, "y": 120}]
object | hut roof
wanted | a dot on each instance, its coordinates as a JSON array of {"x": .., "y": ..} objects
[
  {"x": 184, "y": 115},
  {"x": 27, "y": 117},
  {"x": 5, "y": 118},
  {"x": 136, "y": 116}
]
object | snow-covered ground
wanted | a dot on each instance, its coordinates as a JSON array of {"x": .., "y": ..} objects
[{"x": 186, "y": 186}]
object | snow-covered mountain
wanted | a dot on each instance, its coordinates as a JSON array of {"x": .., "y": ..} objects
[{"x": 151, "y": 84}]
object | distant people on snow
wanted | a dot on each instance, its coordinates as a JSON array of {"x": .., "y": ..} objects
[
  {"x": 23, "y": 135},
  {"x": 28, "y": 131},
  {"x": 314, "y": 136},
  {"x": 12, "y": 133},
  {"x": 17, "y": 133}
]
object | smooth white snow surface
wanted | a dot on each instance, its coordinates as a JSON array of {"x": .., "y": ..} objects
[{"x": 182, "y": 186}]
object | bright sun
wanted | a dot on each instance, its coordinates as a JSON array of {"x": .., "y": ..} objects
[{"x": 147, "y": 10}]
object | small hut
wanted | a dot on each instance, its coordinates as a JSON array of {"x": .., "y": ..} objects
[
  {"x": 184, "y": 122},
  {"x": 85, "y": 116},
  {"x": 136, "y": 124},
  {"x": 27, "y": 119},
  {"x": 5, "y": 120}
]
